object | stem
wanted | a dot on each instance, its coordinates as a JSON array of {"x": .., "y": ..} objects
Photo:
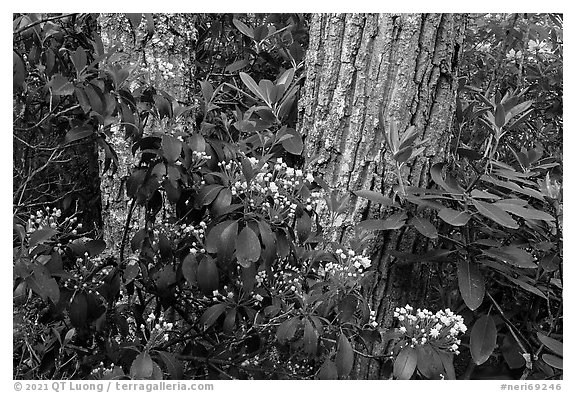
[
  {"x": 126, "y": 229},
  {"x": 20, "y": 30}
]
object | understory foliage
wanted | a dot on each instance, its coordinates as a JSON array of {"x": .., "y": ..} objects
[{"x": 229, "y": 274}]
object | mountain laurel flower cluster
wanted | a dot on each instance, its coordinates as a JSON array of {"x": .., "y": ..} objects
[
  {"x": 50, "y": 219},
  {"x": 159, "y": 329},
  {"x": 349, "y": 267},
  {"x": 420, "y": 327},
  {"x": 273, "y": 191}
]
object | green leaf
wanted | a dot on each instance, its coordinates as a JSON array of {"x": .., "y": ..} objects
[
  {"x": 79, "y": 59},
  {"x": 436, "y": 174},
  {"x": 403, "y": 155},
  {"x": 287, "y": 329},
  {"x": 171, "y": 148},
  {"x": 294, "y": 144},
  {"x": 211, "y": 315},
  {"x": 425, "y": 227},
  {"x": 552, "y": 344},
  {"x": 553, "y": 361},
  {"x": 527, "y": 287},
  {"x": 303, "y": 227},
  {"x": 374, "y": 196},
  {"x": 483, "y": 339},
  {"x": 529, "y": 214},
  {"x": 248, "y": 31},
  {"x": 237, "y": 65},
  {"x": 327, "y": 370},
  {"x": 429, "y": 362},
  {"x": 252, "y": 85},
  {"x": 247, "y": 247},
  {"x": 163, "y": 106},
  {"x": 19, "y": 71},
  {"x": 197, "y": 143},
  {"x": 454, "y": 217},
  {"x": 40, "y": 236},
  {"x": 494, "y": 213},
  {"x": 190, "y": 268},
  {"x": 142, "y": 367},
  {"x": 208, "y": 193},
  {"x": 207, "y": 276},
  {"x": 471, "y": 283},
  {"x": 78, "y": 310},
  {"x": 395, "y": 221},
  {"x": 512, "y": 255},
  {"x": 310, "y": 338},
  {"x": 78, "y": 133},
  {"x": 405, "y": 363},
  {"x": 135, "y": 20},
  {"x": 512, "y": 353},
  {"x": 347, "y": 308},
  {"x": 43, "y": 284},
  {"x": 500, "y": 116},
  {"x": 448, "y": 362},
  {"x": 60, "y": 85},
  {"x": 344, "y": 356},
  {"x": 173, "y": 365}
]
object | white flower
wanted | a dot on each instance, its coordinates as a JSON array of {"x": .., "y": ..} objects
[
  {"x": 402, "y": 329},
  {"x": 310, "y": 177},
  {"x": 434, "y": 333}
]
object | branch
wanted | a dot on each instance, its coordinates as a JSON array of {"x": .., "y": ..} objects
[{"x": 20, "y": 30}]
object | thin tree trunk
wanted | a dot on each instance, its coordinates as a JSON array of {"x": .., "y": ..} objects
[
  {"x": 167, "y": 61},
  {"x": 357, "y": 63}
]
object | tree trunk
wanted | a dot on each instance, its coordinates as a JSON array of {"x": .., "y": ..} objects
[
  {"x": 356, "y": 64},
  {"x": 167, "y": 62}
]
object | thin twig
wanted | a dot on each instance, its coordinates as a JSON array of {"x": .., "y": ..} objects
[{"x": 20, "y": 30}]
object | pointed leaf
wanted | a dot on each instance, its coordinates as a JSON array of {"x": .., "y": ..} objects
[
  {"x": 327, "y": 371},
  {"x": 395, "y": 221},
  {"x": 248, "y": 31},
  {"x": 211, "y": 315},
  {"x": 310, "y": 338},
  {"x": 500, "y": 116},
  {"x": 471, "y": 283},
  {"x": 454, "y": 217},
  {"x": 252, "y": 85},
  {"x": 207, "y": 276},
  {"x": 494, "y": 213},
  {"x": 512, "y": 255},
  {"x": 173, "y": 365},
  {"x": 77, "y": 133},
  {"x": 294, "y": 144},
  {"x": 171, "y": 147},
  {"x": 78, "y": 310},
  {"x": 405, "y": 363},
  {"x": 40, "y": 236},
  {"x": 529, "y": 214},
  {"x": 247, "y": 247},
  {"x": 425, "y": 227},
  {"x": 287, "y": 329},
  {"x": 142, "y": 367},
  {"x": 552, "y": 344},
  {"x": 482, "y": 339},
  {"x": 374, "y": 196},
  {"x": 344, "y": 356},
  {"x": 553, "y": 361},
  {"x": 429, "y": 362},
  {"x": 190, "y": 268}
]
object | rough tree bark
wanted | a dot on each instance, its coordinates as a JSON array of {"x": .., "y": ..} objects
[
  {"x": 355, "y": 64},
  {"x": 167, "y": 61}
]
